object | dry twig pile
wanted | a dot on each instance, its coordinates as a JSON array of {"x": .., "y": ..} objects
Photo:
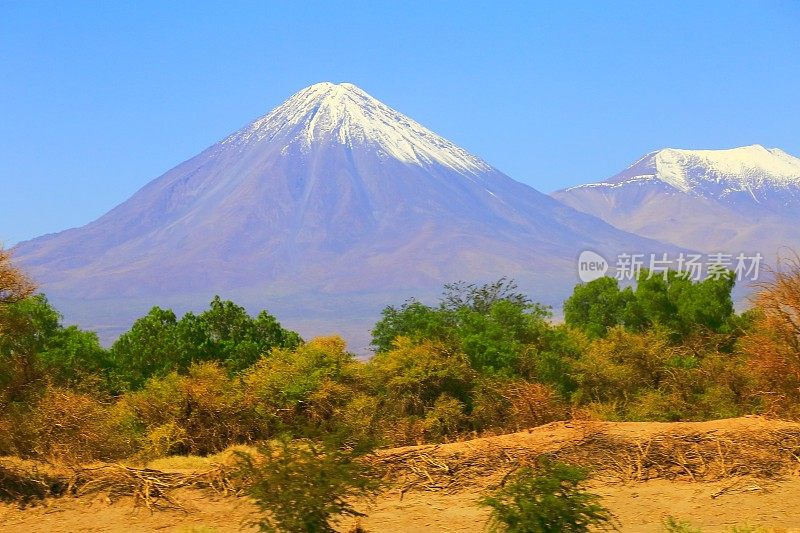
[
  {"x": 693, "y": 456},
  {"x": 154, "y": 489}
]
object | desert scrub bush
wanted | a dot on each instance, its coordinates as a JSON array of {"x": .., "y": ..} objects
[
  {"x": 616, "y": 367},
  {"x": 14, "y": 284},
  {"x": 490, "y": 410},
  {"x": 409, "y": 380},
  {"x": 70, "y": 426},
  {"x": 772, "y": 344},
  {"x": 547, "y": 499},
  {"x": 305, "y": 389},
  {"x": 657, "y": 405},
  {"x": 359, "y": 418},
  {"x": 446, "y": 418},
  {"x": 532, "y": 404},
  {"x": 512, "y": 405},
  {"x": 643, "y": 376},
  {"x": 303, "y": 485},
  {"x": 201, "y": 413}
]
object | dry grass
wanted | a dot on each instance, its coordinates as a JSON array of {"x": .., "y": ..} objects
[{"x": 199, "y": 462}]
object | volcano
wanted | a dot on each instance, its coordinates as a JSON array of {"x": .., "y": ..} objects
[{"x": 322, "y": 211}]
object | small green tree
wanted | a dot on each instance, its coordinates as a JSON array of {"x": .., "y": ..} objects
[
  {"x": 160, "y": 343},
  {"x": 237, "y": 340},
  {"x": 673, "y": 300},
  {"x": 683, "y": 305},
  {"x": 599, "y": 305},
  {"x": 302, "y": 485},
  {"x": 492, "y": 324},
  {"x": 413, "y": 320},
  {"x": 36, "y": 347},
  {"x": 149, "y": 348},
  {"x": 548, "y": 499}
]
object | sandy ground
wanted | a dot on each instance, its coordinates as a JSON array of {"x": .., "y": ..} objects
[{"x": 639, "y": 507}]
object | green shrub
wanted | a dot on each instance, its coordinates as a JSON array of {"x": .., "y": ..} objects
[
  {"x": 305, "y": 485},
  {"x": 548, "y": 499}
]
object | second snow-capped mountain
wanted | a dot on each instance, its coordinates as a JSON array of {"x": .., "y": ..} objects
[{"x": 739, "y": 200}]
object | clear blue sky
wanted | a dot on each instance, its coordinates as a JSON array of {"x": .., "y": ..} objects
[{"x": 98, "y": 98}]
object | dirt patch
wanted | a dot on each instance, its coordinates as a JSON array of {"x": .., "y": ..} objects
[{"x": 203, "y": 512}]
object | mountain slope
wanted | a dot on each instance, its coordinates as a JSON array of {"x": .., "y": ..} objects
[
  {"x": 739, "y": 200},
  {"x": 331, "y": 201}
]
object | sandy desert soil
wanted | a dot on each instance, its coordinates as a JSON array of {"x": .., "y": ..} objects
[{"x": 445, "y": 501}]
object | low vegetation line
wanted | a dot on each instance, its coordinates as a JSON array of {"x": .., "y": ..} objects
[{"x": 485, "y": 360}]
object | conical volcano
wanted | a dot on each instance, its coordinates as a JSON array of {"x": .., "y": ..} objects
[{"x": 332, "y": 195}]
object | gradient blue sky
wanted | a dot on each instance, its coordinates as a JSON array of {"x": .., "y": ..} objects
[{"x": 98, "y": 98}]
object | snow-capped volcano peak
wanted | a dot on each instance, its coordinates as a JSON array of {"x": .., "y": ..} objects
[
  {"x": 736, "y": 200},
  {"x": 713, "y": 173},
  {"x": 345, "y": 114},
  {"x": 739, "y": 169},
  {"x": 716, "y": 172}
]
